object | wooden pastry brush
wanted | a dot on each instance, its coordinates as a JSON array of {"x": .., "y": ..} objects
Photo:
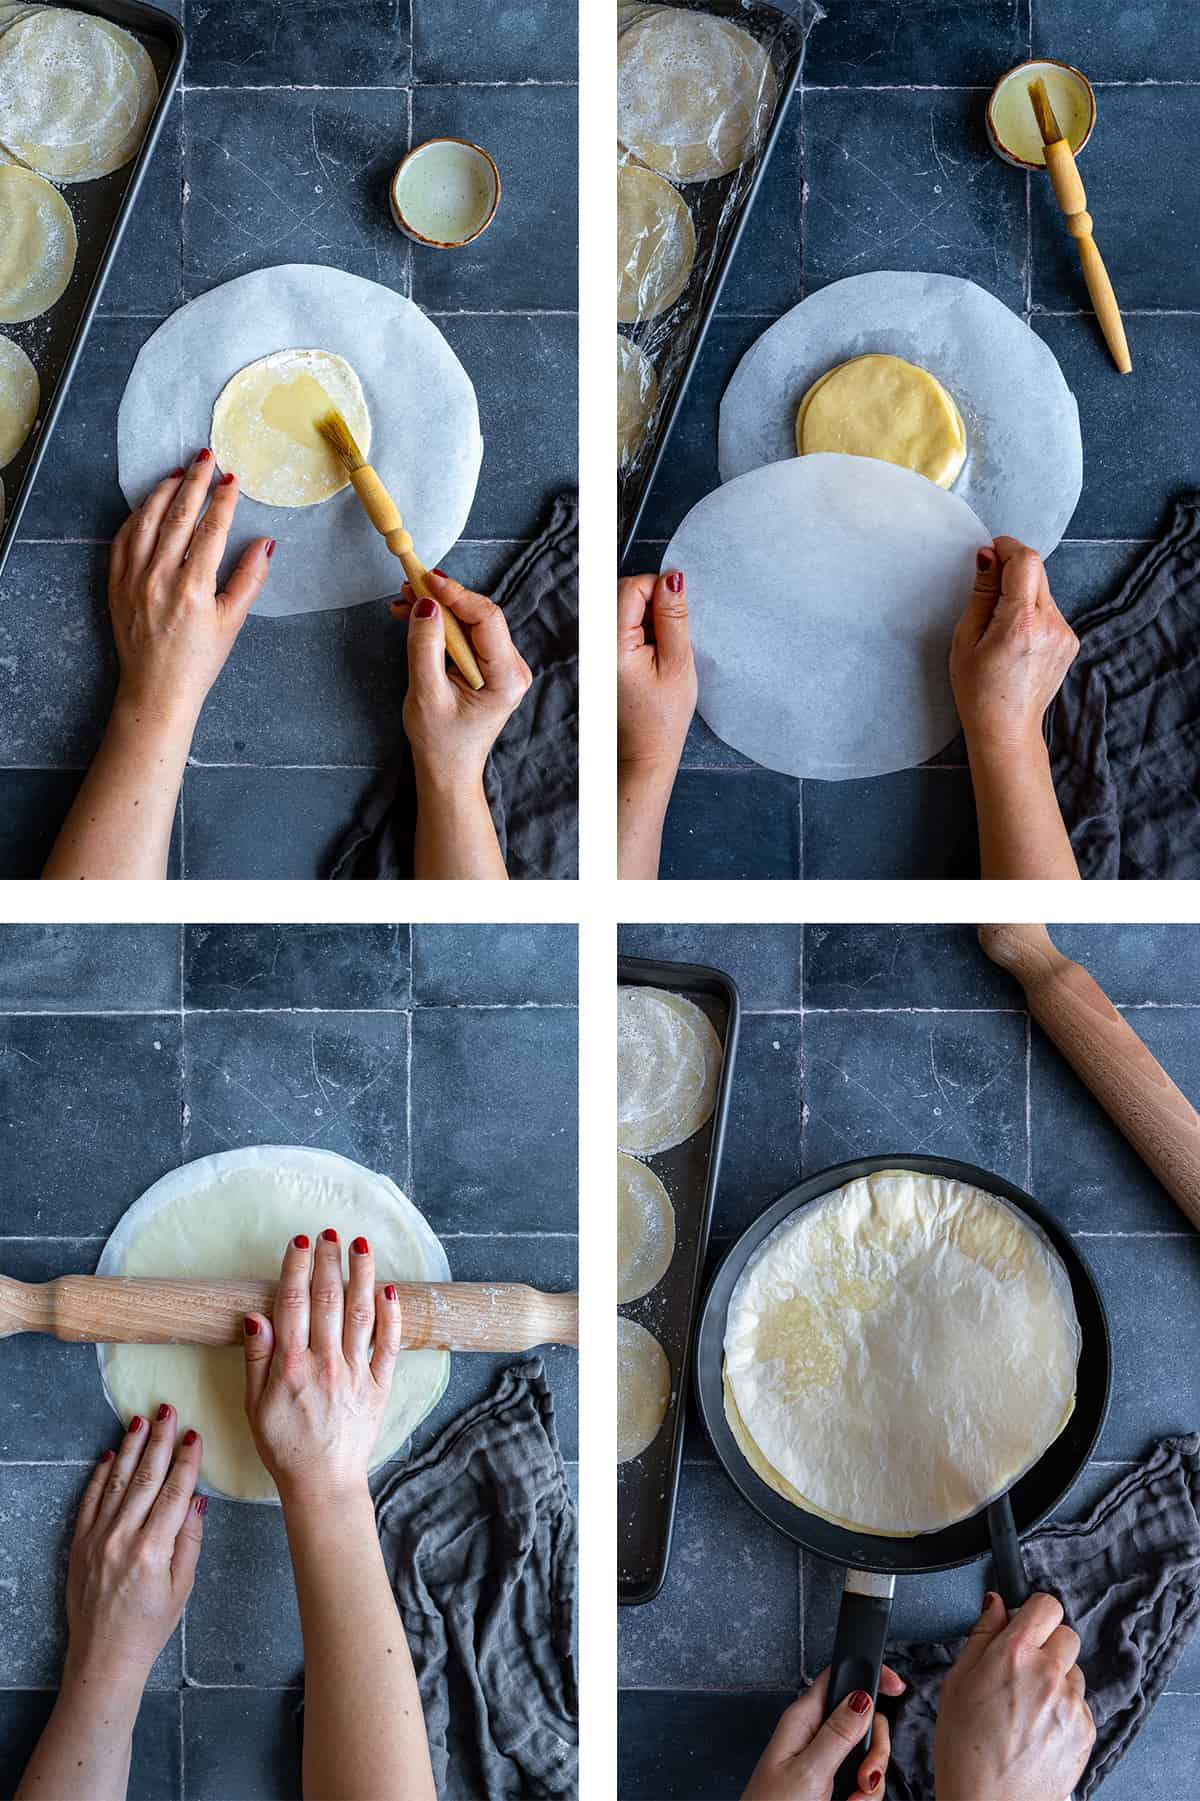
[
  {"x": 1069, "y": 192},
  {"x": 384, "y": 515}
]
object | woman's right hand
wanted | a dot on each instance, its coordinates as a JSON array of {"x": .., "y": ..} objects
[
  {"x": 315, "y": 1392},
  {"x": 1012, "y": 648},
  {"x": 1013, "y": 1724},
  {"x": 450, "y": 726}
]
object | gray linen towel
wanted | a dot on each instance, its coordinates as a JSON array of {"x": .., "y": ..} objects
[
  {"x": 479, "y": 1539},
  {"x": 1129, "y": 1580}
]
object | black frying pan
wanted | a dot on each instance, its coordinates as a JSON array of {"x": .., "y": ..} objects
[{"x": 872, "y": 1563}]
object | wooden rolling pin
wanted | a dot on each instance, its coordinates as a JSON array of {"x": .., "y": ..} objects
[
  {"x": 447, "y": 1316},
  {"x": 1108, "y": 1056}
]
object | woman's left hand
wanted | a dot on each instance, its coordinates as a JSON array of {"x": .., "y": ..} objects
[{"x": 807, "y": 1750}]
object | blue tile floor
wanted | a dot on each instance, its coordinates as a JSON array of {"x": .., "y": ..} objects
[{"x": 861, "y": 1039}]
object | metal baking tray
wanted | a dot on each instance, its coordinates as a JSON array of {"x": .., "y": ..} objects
[
  {"x": 784, "y": 26},
  {"x": 101, "y": 210},
  {"x": 647, "y": 1487}
]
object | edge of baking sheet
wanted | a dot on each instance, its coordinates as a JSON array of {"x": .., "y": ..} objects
[{"x": 152, "y": 22}]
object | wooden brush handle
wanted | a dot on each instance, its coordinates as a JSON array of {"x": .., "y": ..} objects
[
  {"x": 384, "y": 515},
  {"x": 450, "y": 1316},
  {"x": 1069, "y": 189},
  {"x": 1107, "y": 1055}
]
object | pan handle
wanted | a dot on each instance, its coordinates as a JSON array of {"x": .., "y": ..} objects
[
  {"x": 1007, "y": 1562},
  {"x": 862, "y": 1630}
]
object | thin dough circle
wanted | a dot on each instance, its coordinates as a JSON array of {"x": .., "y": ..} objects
[
  {"x": 884, "y": 407},
  {"x": 76, "y": 93},
  {"x": 900, "y": 1352},
  {"x": 694, "y": 93},
  {"x": 656, "y": 244},
  {"x": 230, "y": 1216},
  {"x": 668, "y": 1066},
  {"x": 20, "y": 393},
  {"x": 37, "y": 245},
  {"x": 643, "y": 1388},
  {"x": 257, "y": 443},
  {"x": 645, "y": 1229},
  {"x": 637, "y": 394}
]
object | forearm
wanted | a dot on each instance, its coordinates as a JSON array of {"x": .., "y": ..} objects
[
  {"x": 455, "y": 837},
  {"x": 1022, "y": 836},
  {"x": 84, "y": 1752},
  {"x": 364, "y": 1731},
  {"x": 643, "y": 796},
  {"x": 119, "y": 827}
]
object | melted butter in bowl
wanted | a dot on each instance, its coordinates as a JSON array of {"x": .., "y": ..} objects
[{"x": 445, "y": 193}]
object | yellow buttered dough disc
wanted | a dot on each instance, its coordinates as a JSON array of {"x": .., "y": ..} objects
[
  {"x": 37, "y": 245},
  {"x": 884, "y": 407},
  {"x": 643, "y": 1389},
  {"x": 637, "y": 392},
  {"x": 264, "y": 427},
  {"x": 656, "y": 244},
  {"x": 19, "y": 396},
  {"x": 645, "y": 1229}
]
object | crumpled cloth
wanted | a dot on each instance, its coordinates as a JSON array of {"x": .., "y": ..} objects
[
  {"x": 532, "y": 775},
  {"x": 479, "y": 1537},
  {"x": 1129, "y": 1580},
  {"x": 1124, "y": 731}
]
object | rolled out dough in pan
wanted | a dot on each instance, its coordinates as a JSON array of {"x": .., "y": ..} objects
[
  {"x": 656, "y": 244},
  {"x": 1024, "y": 466},
  {"x": 694, "y": 92},
  {"x": 645, "y": 1229},
  {"x": 668, "y": 1067},
  {"x": 20, "y": 392},
  {"x": 823, "y": 594},
  {"x": 76, "y": 93},
  {"x": 643, "y": 1388},
  {"x": 900, "y": 1352},
  {"x": 426, "y": 443},
  {"x": 37, "y": 245},
  {"x": 231, "y": 1215}
]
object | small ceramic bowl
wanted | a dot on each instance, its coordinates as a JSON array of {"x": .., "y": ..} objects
[
  {"x": 1008, "y": 130},
  {"x": 445, "y": 193}
]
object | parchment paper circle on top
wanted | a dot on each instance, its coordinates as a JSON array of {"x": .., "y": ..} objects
[
  {"x": 426, "y": 443},
  {"x": 1024, "y": 467},
  {"x": 318, "y": 1189},
  {"x": 823, "y": 593}
]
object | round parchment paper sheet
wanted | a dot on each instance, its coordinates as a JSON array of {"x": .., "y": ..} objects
[
  {"x": 656, "y": 244},
  {"x": 643, "y": 1388},
  {"x": 287, "y": 463},
  {"x": 668, "y": 1066},
  {"x": 645, "y": 1229},
  {"x": 693, "y": 92},
  {"x": 637, "y": 392},
  {"x": 1024, "y": 466},
  {"x": 900, "y": 1353},
  {"x": 37, "y": 245},
  {"x": 823, "y": 595},
  {"x": 331, "y": 555},
  {"x": 76, "y": 93},
  {"x": 231, "y": 1215},
  {"x": 19, "y": 395}
]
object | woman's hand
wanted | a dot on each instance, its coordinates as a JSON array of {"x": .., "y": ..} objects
[
  {"x": 1011, "y": 650},
  {"x": 807, "y": 1750},
  {"x": 315, "y": 1393},
  {"x": 451, "y": 727},
  {"x": 656, "y": 697},
  {"x": 1013, "y": 1724},
  {"x": 137, "y": 1541},
  {"x": 173, "y": 630}
]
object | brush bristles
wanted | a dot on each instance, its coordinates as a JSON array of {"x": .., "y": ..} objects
[
  {"x": 340, "y": 439},
  {"x": 1044, "y": 113}
]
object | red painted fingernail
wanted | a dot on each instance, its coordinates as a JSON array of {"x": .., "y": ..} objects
[
  {"x": 164, "y": 1413},
  {"x": 873, "y": 1780},
  {"x": 189, "y": 1437},
  {"x": 270, "y": 547},
  {"x": 201, "y": 1504},
  {"x": 204, "y": 456},
  {"x": 441, "y": 575},
  {"x": 860, "y": 1701},
  {"x": 329, "y": 1235},
  {"x": 390, "y": 1291},
  {"x": 675, "y": 580},
  {"x": 360, "y": 1247},
  {"x": 990, "y": 1599},
  {"x": 425, "y": 609},
  {"x": 301, "y": 1241},
  {"x": 251, "y": 1327},
  {"x": 174, "y": 473},
  {"x": 226, "y": 479},
  {"x": 136, "y": 1423},
  {"x": 107, "y": 1456},
  {"x": 984, "y": 559}
]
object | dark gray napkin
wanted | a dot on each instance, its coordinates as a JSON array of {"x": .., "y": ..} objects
[
  {"x": 531, "y": 779},
  {"x": 479, "y": 1538},
  {"x": 1129, "y": 1580},
  {"x": 1124, "y": 732}
]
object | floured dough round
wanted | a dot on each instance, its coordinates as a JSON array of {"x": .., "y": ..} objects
[
  {"x": 37, "y": 245},
  {"x": 668, "y": 1066},
  {"x": 656, "y": 244},
  {"x": 264, "y": 426},
  {"x": 231, "y": 1215},
  {"x": 885, "y": 407},
  {"x": 643, "y": 1388},
  {"x": 637, "y": 392},
  {"x": 694, "y": 92},
  {"x": 900, "y": 1352},
  {"x": 645, "y": 1229},
  {"x": 19, "y": 396},
  {"x": 76, "y": 93}
]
